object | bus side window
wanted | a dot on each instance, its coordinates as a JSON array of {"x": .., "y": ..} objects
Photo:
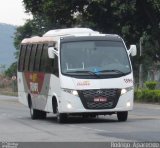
[
  {"x": 55, "y": 66},
  {"x": 38, "y": 57},
  {"x": 42, "y": 60},
  {"x": 46, "y": 62},
  {"x": 32, "y": 57},
  {"x": 22, "y": 58},
  {"x": 27, "y": 57}
]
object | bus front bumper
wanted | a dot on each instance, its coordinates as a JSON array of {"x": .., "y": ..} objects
[{"x": 73, "y": 104}]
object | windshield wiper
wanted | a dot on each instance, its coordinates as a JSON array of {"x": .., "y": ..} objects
[
  {"x": 89, "y": 72},
  {"x": 113, "y": 70}
]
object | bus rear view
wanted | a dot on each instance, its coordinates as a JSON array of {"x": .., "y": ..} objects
[{"x": 95, "y": 76}]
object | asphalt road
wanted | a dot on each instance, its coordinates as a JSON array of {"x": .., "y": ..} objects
[{"x": 15, "y": 125}]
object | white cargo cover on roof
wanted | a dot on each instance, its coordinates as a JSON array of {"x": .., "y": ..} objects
[
  {"x": 37, "y": 39},
  {"x": 69, "y": 31}
]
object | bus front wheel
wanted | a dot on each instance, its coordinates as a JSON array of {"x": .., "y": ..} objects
[
  {"x": 61, "y": 117},
  {"x": 122, "y": 116}
]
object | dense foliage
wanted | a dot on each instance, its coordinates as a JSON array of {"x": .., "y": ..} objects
[
  {"x": 12, "y": 70},
  {"x": 132, "y": 19},
  {"x": 148, "y": 96},
  {"x": 151, "y": 85}
]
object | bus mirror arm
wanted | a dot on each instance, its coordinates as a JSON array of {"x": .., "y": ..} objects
[
  {"x": 51, "y": 53},
  {"x": 132, "y": 50}
]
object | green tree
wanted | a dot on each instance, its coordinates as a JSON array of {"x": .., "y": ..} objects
[
  {"x": 132, "y": 19},
  {"x": 129, "y": 18},
  {"x": 12, "y": 70}
]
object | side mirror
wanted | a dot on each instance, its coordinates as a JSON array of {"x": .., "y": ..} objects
[
  {"x": 51, "y": 54},
  {"x": 133, "y": 50}
]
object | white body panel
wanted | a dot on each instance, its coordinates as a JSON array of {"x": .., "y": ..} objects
[
  {"x": 55, "y": 87},
  {"x": 77, "y": 106}
]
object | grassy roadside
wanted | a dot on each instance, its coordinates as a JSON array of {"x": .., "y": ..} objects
[
  {"x": 8, "y": 92},
  {"x": 147, "y": 96}
]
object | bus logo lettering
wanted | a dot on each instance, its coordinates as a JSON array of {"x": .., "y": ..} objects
[
  {"x": 84, "y": 83},
  {"x": 99, "y": 92}
]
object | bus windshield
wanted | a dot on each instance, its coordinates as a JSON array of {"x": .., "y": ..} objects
[{"x": 94, "y": 58}]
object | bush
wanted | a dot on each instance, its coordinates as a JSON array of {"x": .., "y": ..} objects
[
  {"x": 151, "y": 85},
  {"x": 148, "y": 96}
]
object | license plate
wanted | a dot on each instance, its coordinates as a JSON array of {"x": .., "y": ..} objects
[{"x": 100, "y": 99}]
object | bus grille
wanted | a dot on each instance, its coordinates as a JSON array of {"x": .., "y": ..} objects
[{"x": 99, "y": 98}]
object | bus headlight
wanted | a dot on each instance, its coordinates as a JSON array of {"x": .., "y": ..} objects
[
  {"x": 73, "y": 92},
  {"x": 125, "y": 90}
]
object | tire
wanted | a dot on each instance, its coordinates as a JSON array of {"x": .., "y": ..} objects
[
  {"x": 122, "y": 116},
  {"x": 36, "y": 114},
  {"x": 41, "y": 114},
  {"x": 61, "y": 117}
]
